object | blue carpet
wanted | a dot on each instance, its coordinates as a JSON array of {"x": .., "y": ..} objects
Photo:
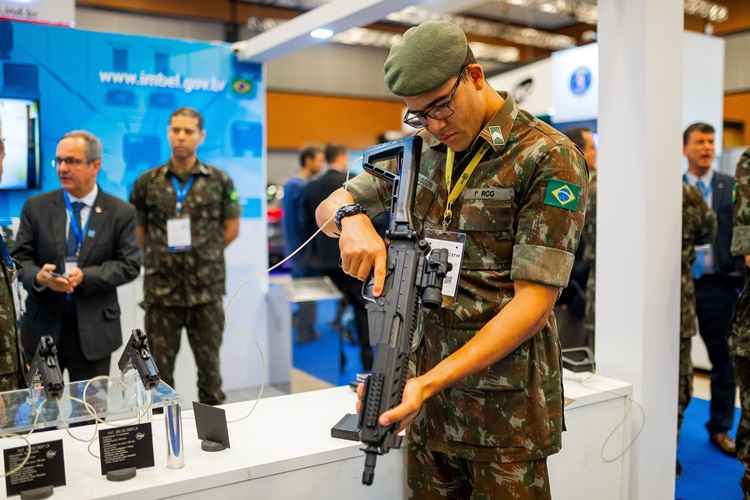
[
  {"x": 707, "y": 474},
  {"x": 321, "y": 357}
]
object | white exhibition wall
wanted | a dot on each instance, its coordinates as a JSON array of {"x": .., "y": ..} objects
[
  {"x": 566, "y": 86},
  {"x": 530, "y": 86}
]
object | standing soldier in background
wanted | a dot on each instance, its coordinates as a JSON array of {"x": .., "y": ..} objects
[
  {"x": 739, "y": 340},
  {"x": 698, "y": 228},
  {"x": 11, "y": 370},
  {"x": 585, "y": 269},
  {"x": 188, "y": 212}
]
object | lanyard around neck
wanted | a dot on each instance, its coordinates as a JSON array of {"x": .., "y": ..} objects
[
  {"x": 75, "y": 224},
  {"x": 456, "y": 191},
  {"x": 181, "y": 191}
]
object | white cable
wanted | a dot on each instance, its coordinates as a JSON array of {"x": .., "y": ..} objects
[
  {"x": 257, "y": 398},
  {"x": 262, "y": 385},
  {"x": 584, "y": 379},
  {"x": 91, "y": 410},
  {"x": 625, "y": 418},
  {"x": 25, "y": 438},
  {"x": 236, "y": 293},
  {"x": 299, "y": 248},
  {"x": 303, "y": 245}
]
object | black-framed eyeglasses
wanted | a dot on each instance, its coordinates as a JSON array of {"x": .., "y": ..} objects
[
  {"x": 70, "y": 161},
  {"x": 438, "y": 111}
]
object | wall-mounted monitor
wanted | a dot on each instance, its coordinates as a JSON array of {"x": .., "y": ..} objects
[{"x": 19, "y": 129}]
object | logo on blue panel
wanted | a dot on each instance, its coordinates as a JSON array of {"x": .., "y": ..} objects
[
  {"x": 242, "y": 86},
  {"x": 580, "y": 80}
]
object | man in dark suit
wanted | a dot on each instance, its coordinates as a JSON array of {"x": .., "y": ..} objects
[
  {"x": 322, "y": 254},
  {"x": 718, "y": 277},
  {"x": 75, "y": 245}
]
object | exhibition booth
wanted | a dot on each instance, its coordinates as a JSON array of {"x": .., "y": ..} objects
[{"x": 123, "y": 88}]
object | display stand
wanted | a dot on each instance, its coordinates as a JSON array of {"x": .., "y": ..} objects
[
  {"x": 121, "y": 474},
  {"x": 211, "y": 446},
  {"x": 37, "y": 493},
  {"x": 112, "y": 399}
]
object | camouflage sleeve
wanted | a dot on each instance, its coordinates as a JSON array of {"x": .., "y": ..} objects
[
  {"x": 741, "y": 231},
  {"x": 138, "y": 199},
  {"x": 230, "y": 202},
  {"x": 370, "y": 192},
  {"x": 551, "y": 218},
  {"x": 706, "y": 227},
  {"x": 589, "y": 226}
]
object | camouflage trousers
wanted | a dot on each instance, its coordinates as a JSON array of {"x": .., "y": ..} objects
[
  {"x": 433, "y": 475},
  {"x": 685, "y": 381},
  {"x": 204, "y": 325}
]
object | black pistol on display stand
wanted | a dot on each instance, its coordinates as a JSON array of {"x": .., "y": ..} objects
[
  {"x": 414, "y": 279},
  {"x": 137, "y": 355},
  {"x": 45, "y": 369}
]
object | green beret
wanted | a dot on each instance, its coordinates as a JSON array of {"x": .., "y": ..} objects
[{"x": 427, "y": 56}]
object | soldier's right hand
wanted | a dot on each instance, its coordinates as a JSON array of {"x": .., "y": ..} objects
[
  {"x": 362, "y": 249},
  {"x": 55, "y": 283},
  {"x": 747, "y": 260}
]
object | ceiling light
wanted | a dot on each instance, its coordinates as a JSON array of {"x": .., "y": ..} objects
[{"x": 321, "y": 33}]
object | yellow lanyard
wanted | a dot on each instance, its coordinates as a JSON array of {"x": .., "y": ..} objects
[{"x": 454, "y": 193}]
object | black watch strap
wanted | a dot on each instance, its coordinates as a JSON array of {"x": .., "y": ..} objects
[{"x": 347, "y": 211}]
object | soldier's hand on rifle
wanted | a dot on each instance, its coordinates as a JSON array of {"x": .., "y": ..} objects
[
  {"x": 362, "y": 249},
  {"x": 411, "y": 403},
  {"x": 747, "y": 260}
]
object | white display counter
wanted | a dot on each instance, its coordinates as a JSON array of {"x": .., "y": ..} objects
[{"x": 284, "y": 451}]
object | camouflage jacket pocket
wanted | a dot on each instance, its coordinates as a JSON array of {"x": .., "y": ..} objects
[
  {"x": 488, "y": 225},
  {"x": 509, "y": 374}
]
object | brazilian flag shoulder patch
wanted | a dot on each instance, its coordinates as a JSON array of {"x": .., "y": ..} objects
[{"x": 562, "y": 194}]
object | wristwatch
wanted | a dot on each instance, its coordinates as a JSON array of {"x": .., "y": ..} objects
[{"x": 347, "y": 211}]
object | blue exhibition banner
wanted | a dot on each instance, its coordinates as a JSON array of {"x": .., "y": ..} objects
[{"x": 123, "y": 88}]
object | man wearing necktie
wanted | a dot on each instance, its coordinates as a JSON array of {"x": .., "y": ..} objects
[
  {"x": 75, "y": 246},
  {"x": 718, "y": 277}
]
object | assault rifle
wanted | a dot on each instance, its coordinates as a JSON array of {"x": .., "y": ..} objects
[{"x": 414, "y": 278}]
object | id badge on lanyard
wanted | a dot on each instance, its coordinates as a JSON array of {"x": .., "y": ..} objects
[
  {"x": 179, "y": 238},
  {"x": 70, "y": 264},
  {"x": 453, "y": 242},
  {"x": 178, "y": 234}
]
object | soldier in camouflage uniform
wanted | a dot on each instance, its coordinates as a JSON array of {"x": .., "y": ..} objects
[
  {"x": 739, "y": 340},
  {"x": 11, "y": 376},
  {"x": 486, "y": 404},
  {"x": 698, "y": 228},
  {"x": 11, "y": 364},
  {"x": 184, "y": 281}
]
